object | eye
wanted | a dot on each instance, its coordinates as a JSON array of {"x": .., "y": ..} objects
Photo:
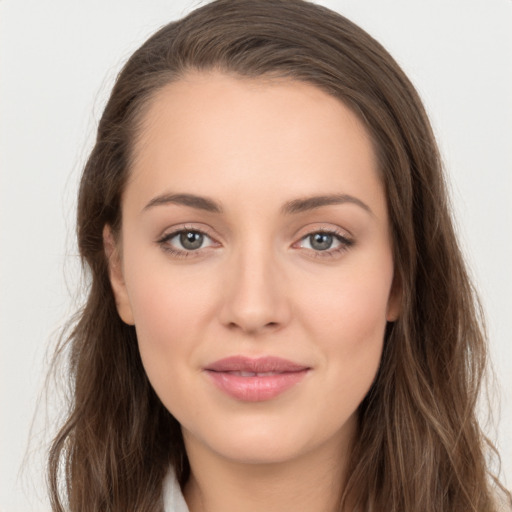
[
  {"x": 185, "y": 241},
  {"x": 325, "y": 243}
]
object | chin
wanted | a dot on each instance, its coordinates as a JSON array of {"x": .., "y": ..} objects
[
  {"x": 260, "y": 450},
  {"x": 267, "y": 441}
]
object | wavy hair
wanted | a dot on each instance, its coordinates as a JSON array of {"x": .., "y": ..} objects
[{"x": 419, "y": 446}]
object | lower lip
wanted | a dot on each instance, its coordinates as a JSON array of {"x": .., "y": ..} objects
[{"x": 256, "y": 388}]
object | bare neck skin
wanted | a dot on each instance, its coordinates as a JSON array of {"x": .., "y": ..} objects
[{"x": 310, "y": 483}]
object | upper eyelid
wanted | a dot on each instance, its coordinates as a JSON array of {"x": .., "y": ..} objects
[
  {"x": 323, "y": 228},
  {"x": 329, "y": 231},
  {"x": 170, "y": 232}
]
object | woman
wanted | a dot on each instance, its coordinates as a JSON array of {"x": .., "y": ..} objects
[{"x": 279, "y": 316}]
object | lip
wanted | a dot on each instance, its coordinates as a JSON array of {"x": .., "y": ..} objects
[{"x": 255, "y": 379}]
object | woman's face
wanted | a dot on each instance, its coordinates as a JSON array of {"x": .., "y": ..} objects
[{"x": 256, "y": 264}]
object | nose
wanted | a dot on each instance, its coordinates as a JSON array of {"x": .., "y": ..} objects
[{"x": 255, "y": 298}]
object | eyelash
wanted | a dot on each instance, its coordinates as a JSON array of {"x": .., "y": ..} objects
[{"x": 345, "y": 243}]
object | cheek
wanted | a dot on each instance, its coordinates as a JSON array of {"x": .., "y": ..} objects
[
  {"x": 164, "y": 312},
  {"x": 348, "y": 321},
  {"x": 350, "y": 305},
  {"x": 166, "y": 322},
  {"x": 170, "y": 309}
]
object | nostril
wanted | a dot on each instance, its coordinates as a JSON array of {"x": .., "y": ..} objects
[{"x": 249, "y": 328}]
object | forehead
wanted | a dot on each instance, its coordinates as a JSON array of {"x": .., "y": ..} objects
[{"x": 226, "y": 135}]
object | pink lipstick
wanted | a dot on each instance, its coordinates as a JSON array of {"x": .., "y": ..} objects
[{"x": 255, "y": 380}]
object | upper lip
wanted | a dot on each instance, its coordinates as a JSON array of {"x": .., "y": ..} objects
[{"x": 255, "y": 365}]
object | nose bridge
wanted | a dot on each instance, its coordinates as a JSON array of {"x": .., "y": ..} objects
[{"x": 255, "y": 296}]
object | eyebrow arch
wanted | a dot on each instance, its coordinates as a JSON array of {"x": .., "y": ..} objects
[
  {"x": 199, "y": 202},
  {"x": 310, "y": 203},
  {"x": 290, "y": 207}
]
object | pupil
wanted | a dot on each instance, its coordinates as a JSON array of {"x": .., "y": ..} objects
[
  {"x": 321, "y": 241},
  {"x": 191, "y": 240}
]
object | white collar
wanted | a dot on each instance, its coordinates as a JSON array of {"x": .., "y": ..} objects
[{"x": 173, "y": 497}]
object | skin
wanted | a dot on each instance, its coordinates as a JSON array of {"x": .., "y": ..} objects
[{"x": 258, "y": 285}]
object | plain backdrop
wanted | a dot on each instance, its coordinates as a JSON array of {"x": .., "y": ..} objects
[{"x": 58, "y": 60}]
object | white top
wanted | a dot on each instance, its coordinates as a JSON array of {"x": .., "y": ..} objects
[
  {"x": 175, "y": 502},
  {"x": 173, "y": 498}
]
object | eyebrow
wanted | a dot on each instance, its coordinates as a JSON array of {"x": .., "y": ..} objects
[
  {"x": 198, "y": 202},
  {"x": 289, "y": 208},
  {"x": 313, "y": 202}
]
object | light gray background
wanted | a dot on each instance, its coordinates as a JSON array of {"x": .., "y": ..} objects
[{"x": 58, "y": 60}]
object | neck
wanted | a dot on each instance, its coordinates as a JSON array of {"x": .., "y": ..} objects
[{"x": 309, "y": 483}]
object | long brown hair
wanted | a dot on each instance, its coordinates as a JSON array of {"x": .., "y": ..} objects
[{"x": 419, "y": 446}]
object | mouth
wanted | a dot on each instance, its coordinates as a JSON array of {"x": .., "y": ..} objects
[{"x": 255, "y": 380}]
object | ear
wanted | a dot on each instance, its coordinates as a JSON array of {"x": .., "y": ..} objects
[
  {"x": 115, "y": 271},
  {"x": 395, "y": 299}
]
